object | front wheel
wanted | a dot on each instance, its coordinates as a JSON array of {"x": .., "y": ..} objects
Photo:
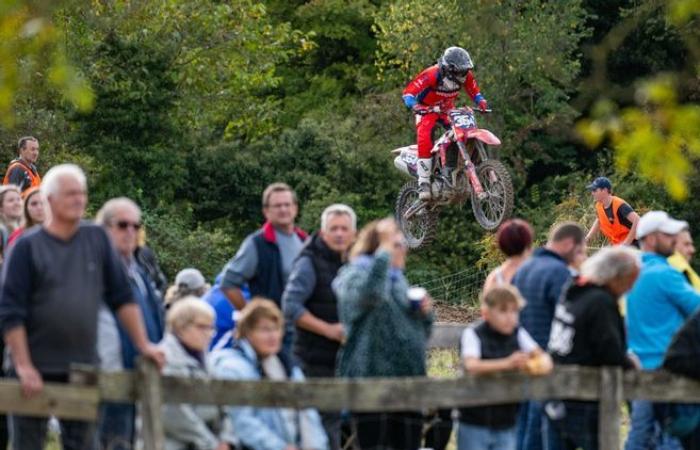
[
  {"x": 416, "y": 219},
  {"x": 496, "y": 204}
]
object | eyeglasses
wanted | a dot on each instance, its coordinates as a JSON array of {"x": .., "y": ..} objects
[
  {"x": 124, "y": 224},
  {"x": 267, "y": 330},
  {"x": 280, "y": 205},
  {"x": 204, "y": 327}
]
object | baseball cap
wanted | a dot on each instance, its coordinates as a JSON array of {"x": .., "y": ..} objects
[
  {"x": 659, "y": 221},
  {"x": 600, "y": 183},
  {"x": 190, "y": 278}
]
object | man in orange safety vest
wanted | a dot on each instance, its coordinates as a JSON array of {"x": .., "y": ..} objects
[{"x": 615, "y": 218}]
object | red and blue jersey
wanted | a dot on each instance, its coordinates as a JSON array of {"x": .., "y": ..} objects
[{"x": 429, "y": 88}]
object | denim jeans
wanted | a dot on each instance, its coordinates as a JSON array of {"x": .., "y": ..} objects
[
  {"x": 645, "y": 432},
  {"x": 535, "y": 432},
  {"x": 474, "y": 437},
  {"x": 29, "y": 433},
  {"x": 578, "y": 428},
  {"x": 389, "y": 431},
  {"x": 116, "y": 426}
]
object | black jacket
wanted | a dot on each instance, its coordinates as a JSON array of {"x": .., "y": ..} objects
[
  {"x": 588, "y": 329},
  {"x": 309, "y": 347},
  {"x": 683, "y": 355}
]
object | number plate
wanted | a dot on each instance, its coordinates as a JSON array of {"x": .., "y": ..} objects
[{"x": 463, "y": 119}]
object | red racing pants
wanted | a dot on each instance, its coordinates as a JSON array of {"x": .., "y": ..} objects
[{"x": 424, "y": 131}]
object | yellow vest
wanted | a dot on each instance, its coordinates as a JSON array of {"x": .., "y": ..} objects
[{"x": 681, "y": 264}]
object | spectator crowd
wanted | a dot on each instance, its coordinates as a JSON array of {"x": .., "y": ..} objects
[{"x": 336, "y": 302}]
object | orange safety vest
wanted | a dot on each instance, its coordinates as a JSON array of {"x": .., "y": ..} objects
[
  {"x": 614, "y": 231},
  {"x": 34, "y": 178}
]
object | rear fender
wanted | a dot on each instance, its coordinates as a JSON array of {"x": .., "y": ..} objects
[
  {"x": 409, "y": 148},
  {"x": 483, "y": 135}
]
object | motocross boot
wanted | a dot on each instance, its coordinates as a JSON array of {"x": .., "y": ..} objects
[{"x": 425, "y": 166}]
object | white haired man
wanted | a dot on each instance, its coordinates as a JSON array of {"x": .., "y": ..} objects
[
  {"x": 310, "y": 304},
  {"x": 588, "y": 330},
  {"x": 53, "y": 283}
]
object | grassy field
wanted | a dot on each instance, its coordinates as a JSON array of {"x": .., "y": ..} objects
[{"x": 444, "y": 364}]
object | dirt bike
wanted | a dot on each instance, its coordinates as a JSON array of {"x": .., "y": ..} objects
[{"x": 461, "y": 170}]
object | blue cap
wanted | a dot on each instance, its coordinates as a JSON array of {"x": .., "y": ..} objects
[{"x": 600, "y": 183}]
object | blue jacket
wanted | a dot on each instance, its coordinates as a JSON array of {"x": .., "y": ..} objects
[
  {"x": 151, "y": 306},
  {"x": 225, "y": 322},
  {"x": 263, "y": 428},
  {"x": 658, "y": 304},
  {"x": 541, "y": 280}
]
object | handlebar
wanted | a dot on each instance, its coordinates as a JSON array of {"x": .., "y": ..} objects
[{"x": 438, "y": 110}]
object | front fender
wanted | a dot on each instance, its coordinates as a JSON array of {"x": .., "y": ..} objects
[{"x": 483, "y": 135}]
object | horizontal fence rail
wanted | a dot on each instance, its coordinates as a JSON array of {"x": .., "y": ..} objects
[
  {"x": 79, "y": 400},
  {"x": 610, "y": 386}
]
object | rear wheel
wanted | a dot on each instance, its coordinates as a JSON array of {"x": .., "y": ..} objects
[
  {"x": 496, "y": 205},
  {"x": 416, "y": 219}
]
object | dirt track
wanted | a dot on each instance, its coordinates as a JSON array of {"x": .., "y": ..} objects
[{"x": 456, "y": 313}]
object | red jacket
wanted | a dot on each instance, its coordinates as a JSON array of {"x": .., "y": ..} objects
[{"x": 429, "y": 88}]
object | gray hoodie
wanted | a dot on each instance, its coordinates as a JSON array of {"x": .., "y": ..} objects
[{"x": 186, "y": 425}]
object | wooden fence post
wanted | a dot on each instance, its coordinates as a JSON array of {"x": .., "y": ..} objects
[
  {"x": 150, "y": 394},
  {"x": 611, "y": 395}
]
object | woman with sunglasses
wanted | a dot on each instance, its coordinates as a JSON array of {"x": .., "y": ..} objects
[
  {"x": 386, "y": 331},
  {"x": 121, "y": 219}
]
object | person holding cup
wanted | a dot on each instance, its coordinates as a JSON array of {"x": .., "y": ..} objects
[{"x": 386, "y": 335}]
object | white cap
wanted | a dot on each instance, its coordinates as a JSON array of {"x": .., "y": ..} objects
[
  {"x": 190, "y": 278},
  {"x": 659, "y": 221}
]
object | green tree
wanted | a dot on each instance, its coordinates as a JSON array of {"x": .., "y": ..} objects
[
  {"x": 525, "y": 54},
  {"x": 653, "y": 124},
  {"x": 137, "y": 148},
  {"x": 32, "y": 55}
]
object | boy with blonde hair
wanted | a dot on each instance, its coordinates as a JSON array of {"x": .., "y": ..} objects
[{"x": 497, "y": 344}]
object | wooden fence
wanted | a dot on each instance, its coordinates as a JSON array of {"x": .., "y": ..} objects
[{"x": 609, "y": 386}]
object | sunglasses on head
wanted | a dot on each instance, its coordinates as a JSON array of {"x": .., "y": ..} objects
[{"x": 124, "y": 224}]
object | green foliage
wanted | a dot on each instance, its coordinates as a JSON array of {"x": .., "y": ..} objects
[
  {"x": 524, "y": 51},
  {"x": 131, "y": 134},
  {"x": 200, "y": 104},
  {"x": 658, "y": 136},
  {"x": 32, "y": 54},
  {"x": 179, "y": 244},
  {"x": 658, "y": 139},
  {"x": 223, "y": 56}
]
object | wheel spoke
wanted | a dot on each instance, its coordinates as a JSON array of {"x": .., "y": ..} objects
[{"x": 496, "y": 206}]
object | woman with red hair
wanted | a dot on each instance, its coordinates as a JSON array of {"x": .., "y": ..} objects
[{"x": 514, "y": 238}]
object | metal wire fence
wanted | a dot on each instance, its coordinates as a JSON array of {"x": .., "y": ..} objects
[{"x": 459, "y": 288}]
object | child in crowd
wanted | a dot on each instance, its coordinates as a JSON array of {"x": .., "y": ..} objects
[{"x": 497, "y": 344}]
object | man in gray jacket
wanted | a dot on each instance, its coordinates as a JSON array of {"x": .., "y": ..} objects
[{"x": 310, "y": 304}]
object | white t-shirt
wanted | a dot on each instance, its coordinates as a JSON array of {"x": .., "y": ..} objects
[{"x": 471, "y": 344}]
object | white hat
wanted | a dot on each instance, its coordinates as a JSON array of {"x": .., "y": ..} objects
[
  {"x": 659, "y": 221},
  {"x": 191, "y": 279}
]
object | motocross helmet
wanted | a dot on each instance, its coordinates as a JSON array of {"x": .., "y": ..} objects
[{"x": 454, "y": 64}]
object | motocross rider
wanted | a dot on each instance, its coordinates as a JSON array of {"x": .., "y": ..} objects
[{"x": 438, "y": 85}]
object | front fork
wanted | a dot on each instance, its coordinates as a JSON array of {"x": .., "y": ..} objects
[{"x": 471, "y": 171}]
